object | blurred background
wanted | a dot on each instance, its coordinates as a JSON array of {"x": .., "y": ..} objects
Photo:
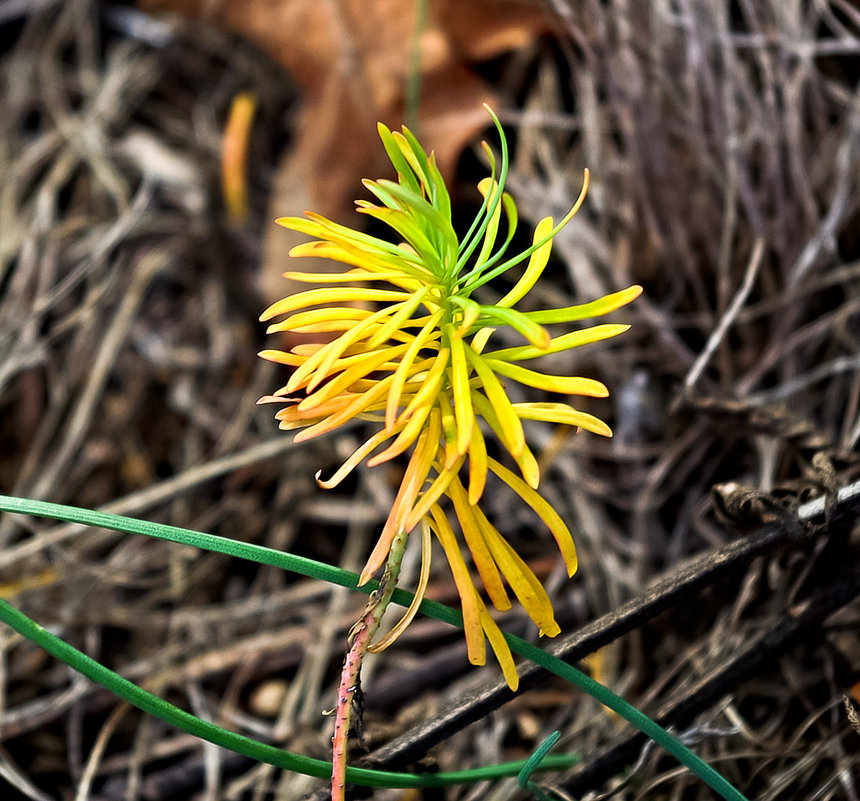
[{"x": 145, "y": 151}]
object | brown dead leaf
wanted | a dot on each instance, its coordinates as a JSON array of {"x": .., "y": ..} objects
[{"x": 350, "y": 59}]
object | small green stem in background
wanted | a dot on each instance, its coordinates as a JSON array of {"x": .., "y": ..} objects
[
  {"x": 360, "y": 637},
  {"x": 413, "y": 80}
]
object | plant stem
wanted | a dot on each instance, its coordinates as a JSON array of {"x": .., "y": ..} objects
[{"x": 360, "y": 637}]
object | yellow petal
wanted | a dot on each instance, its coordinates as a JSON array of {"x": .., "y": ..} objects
[
  {"x": 479, "y": 341},
  {"x": 318, "y": 365},
  {"x": 544, "y": 511},
  {"x": 574, "y": 339},
  {"x": 397, "y": 319},
  {"x": 563, "y": 414},
  {"x": 459, "y": 378},
  {"x": 540, "y": 256},
  {"x": 413, "y": 480},
  {"x": 500, "y": 647},
  {"x": 508, "y": 421},
  {"x": 536, "y": 265},
  {"x": 280, "y": 357},
  {"x": 355, "y": 406},
  {"x": 449, "y": 429},
  {"x": 349, "y": 465},
  {"x": 363, "y": 260},
  {"x": 596, "y": 308},
  {"x": 566, "y": 385},
  {"x": 408, "y": 434},
  {"x": 525, "y": 459},
  {"x": 335, "y": 349},
  {"x": 344, "y": 315},
  {"x": 406, "y": 366},
  {"x": 523, "y": 581},
  {"x": 480, "y": 553},
  {"x": 313, "y": 297},
  {"x": 345, "y": 362},
  {"x": 343, "y": 381},
  {"x": 342, "y": 277},
  {"x": 432, "y": 494},
  {"x": 429, "y": 391},
  {"x": 469, "y": 599},
  {"x": 477, "y": 465}
]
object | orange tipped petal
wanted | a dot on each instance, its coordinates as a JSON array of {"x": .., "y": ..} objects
[
  {"x": 469, "y": 599},
  {"x": 466, "y": 514}
]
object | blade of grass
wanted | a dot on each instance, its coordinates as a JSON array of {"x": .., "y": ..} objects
[
  {"x": 316, "y": 570},
  {"x": 261, "y": 752}
]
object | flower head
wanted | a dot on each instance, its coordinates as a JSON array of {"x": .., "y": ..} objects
[{"x": 409, "y": 347}]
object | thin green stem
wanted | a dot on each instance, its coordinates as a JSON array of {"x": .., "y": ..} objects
[
  {"x": 316, "y": 570},
  {"x": 413, "y": 79},
  {"x": 261, "y": 752}
]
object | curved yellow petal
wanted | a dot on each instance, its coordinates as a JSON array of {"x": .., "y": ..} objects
[
  {"x": 335, "y": 349},
  {"x": 372, "y": 361},
  {"x": 509, "y": 423},
  {"x": 399, "y": 318},
  {"x": 460, "y": 390},
  {"x": 543, "y": 509},
  {"x": 536, "y": 265},
  {"x": 566, "y": 385},
  {"x": 563, "y": 414},
  {"x": 473, "y": 622},
  {"x": 413, "y": 479},
  {"x": 354, "y": 460},
  {"x": 343, "y": 315},
  {"x": 574, "y": 339},
  {"x": 411, "y": 429},
  {"x": 313, "y": 297},
  {"x": 418, "y": 597},
  {"x": 341, "y": 277},
  {"x": 432, "y": 494},
  {"x": 477, "y": 465},
  {"x": 281, "y": 357},
  {"x": 596, "y": 308},
  {"x": 429, "y": 391},
  {"x": 500, "y": 647},
  {"x": 525, "y": 459},
  {"x": 529, "y": 591},
  {"x": 354, "y": 406},
  {"x": 427, "y": 333},
  {"x": 481, "y": 556}
]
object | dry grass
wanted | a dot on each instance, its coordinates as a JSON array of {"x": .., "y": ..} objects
[{"x": 724, "y": 143}]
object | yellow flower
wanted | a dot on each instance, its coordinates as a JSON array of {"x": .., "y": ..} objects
[{"x": 411, "y": 352}]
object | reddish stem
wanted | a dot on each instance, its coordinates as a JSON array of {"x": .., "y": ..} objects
[{"x": 360, "y": 637}]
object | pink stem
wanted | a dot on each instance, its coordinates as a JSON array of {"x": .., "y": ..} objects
[{"x": 360, "y": 637}]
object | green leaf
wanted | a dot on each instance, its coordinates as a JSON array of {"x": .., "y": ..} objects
[
  {"x": 537, "y": 335},
  {"x": 404, "y": 170},
  {"x": 311, "y": 568}
]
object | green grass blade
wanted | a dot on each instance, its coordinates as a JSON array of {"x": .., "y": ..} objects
[{"x": 334, "y": 575}]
